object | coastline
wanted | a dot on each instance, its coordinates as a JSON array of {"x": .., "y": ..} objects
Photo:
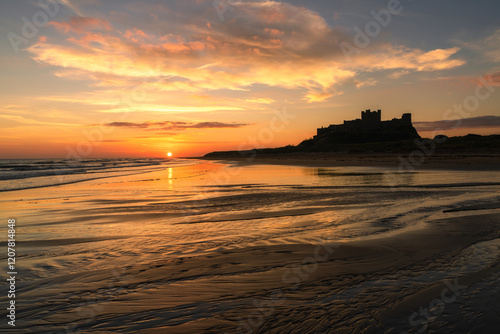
[{"x": 487, "y": 161}]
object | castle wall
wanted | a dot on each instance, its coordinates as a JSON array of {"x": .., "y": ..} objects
[{"x": 370, "y": 121}]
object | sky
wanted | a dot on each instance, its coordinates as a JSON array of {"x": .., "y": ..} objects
[{"x": 95, "y": 78}]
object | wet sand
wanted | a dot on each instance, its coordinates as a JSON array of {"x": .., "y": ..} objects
[{"x": 286, "y": 288}]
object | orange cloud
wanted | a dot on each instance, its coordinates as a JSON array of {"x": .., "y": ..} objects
[
  {"x": 491, "y": 79},
  {"x": 400, "y": 57},
  {"x": 268, "y": 43},
  {"x": 261, "y": 100}
]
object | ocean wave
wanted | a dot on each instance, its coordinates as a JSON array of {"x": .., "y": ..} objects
[{"x": 27, "y": 174}]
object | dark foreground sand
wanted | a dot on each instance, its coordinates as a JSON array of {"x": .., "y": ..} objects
[
  {"x": 405, "y": 162},
  {"x": 388, "y": 285}
]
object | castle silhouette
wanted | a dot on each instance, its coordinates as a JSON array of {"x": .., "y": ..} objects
[
  {"x": 370, "y": 121},
  {"x": 369, "y": 128}
]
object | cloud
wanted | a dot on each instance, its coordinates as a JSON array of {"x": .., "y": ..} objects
[
  {"x": 261, "y": 100},
  {"x": 72, "y": 6},
  {"x": 265, "y": 42},
  {"x": 213, "y": 125},
  {"x": 169, "y": 125},
  {"x": 118, "y": 105},
  {"x": 493, "y": 79},
  {"x": 398, "y": 74},
  {"x": 146, "y": 107},
  {"x": 81, "y": 25},
  {"x": 403, "y": 58},
  {"x": 317, "y": 96},
  {"x": 487, "y": 48},
  {"x": 464, "y": 123},
  {"x": 492, "y": 43},
  {"x": 29, "y": 121}
]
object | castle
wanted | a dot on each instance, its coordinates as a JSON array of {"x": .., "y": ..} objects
[
  {"x": 370, "y": 122},
  {"x": 368, "y": 134}
]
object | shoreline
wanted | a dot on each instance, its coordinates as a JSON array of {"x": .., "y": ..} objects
[{"x": 402, "y": 162}]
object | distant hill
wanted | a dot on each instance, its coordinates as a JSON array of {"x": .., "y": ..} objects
[{"x": 469, "y": 143}]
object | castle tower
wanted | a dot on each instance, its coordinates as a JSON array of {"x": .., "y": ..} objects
[
  {"x": 371, "y": 117},
  {"x": 406, "y": 118}
]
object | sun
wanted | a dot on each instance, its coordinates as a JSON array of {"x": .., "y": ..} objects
[{"x": 169, "y": 154}]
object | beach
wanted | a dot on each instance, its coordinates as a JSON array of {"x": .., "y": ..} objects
[
  {"x": 409, "y": 161},
  {"x": 197, "y": 246}
]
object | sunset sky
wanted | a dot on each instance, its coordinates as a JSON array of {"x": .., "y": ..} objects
[{"x": 96, "y": 78}]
